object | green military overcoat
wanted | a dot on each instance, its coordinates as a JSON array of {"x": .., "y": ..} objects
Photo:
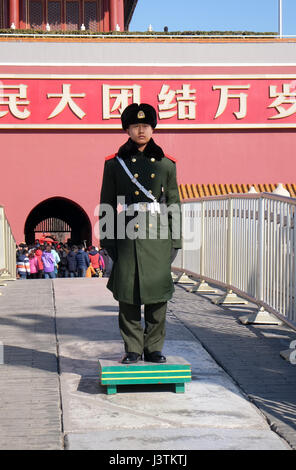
[{"x": 140, "y": 243}]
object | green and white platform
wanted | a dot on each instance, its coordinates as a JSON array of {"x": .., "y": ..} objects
[{"x": 176, "y": 371}]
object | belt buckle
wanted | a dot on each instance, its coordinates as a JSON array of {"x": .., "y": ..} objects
[{"x": 143, "y": 206}]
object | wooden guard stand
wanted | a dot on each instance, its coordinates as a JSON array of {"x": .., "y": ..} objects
[{"x": 176, "y": 371}]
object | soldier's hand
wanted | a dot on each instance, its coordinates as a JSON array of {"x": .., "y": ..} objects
[
  {"x": 112, "y": 252},
  {"x": 174, "y": 253}
]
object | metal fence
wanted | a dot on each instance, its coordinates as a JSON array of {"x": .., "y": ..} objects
[
  {"x": 245, "y": 244},
  {"x": 7, "y": 249}
]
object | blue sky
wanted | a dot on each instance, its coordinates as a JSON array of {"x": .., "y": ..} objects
[{"x": 213, "y": 15}]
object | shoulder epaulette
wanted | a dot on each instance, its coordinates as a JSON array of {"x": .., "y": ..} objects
[
  {"x": 171, "y": 158},
  {"x": 110, "y": 156}
]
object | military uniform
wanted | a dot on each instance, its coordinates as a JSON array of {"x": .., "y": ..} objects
[{"x": 144, "y": 235}]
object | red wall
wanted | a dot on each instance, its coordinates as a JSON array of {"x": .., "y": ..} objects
[{"x": 39, "y": 165}]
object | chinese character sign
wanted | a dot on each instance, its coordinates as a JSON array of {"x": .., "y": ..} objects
[
  {"x": 181, "y": 102},
  {"x": 66, "y": 99},
  {"x": 117, "y": 97}
]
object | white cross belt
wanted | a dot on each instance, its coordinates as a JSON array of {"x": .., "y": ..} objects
[{"x": 153, "y": 207}]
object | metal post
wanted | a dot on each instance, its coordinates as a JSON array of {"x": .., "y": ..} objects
[
  {"x": 280, "y": 18},
  {"x": 262, "y": 316},
  {"x": 183, "y": 278},
  {"x": 203, "y": 287},
  {"x": 1, "y": 353},
  {"x": 230, "y": 298},
  {"x": 293, "y": 316},
  {"x": 260, "y": 260},
  {"x": 7, "y": 251},
  {"x": 183, "y": 228},
  {"x": 2, "y": 244},
  {"x": 229, "y": 242}
]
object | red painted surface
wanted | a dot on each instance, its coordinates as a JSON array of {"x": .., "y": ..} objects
[
  {"x": 113, "y": 14},
  {"x": 189, "y": 101},
  {"x": 116, "y": 8},
  {"x": 14, "y": 15},
  {"x": 40, "y": 164}
]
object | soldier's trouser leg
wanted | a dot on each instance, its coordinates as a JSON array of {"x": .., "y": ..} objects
[
  {"x": 135, "y": 339},
  {"x": 130, "y": 327},
  {"x": 155, "y": 322}
]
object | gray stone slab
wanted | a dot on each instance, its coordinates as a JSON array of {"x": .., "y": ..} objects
[
  {"x": 30, "y": 414},
  {"x": 213, "y": 412},
  {"x": 178, "y": 439},
  {"x": 211, "y": 401},
  {"x": 249, "y": 354}
]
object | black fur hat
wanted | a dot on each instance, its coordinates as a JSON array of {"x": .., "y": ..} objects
[{"x": 139, "y": 113}]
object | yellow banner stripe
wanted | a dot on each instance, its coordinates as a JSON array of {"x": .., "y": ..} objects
[
  {"x": 145, "y": 371},
  {"x": 149, "y": 377}
]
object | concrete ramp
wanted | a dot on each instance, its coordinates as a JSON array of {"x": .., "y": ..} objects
[
  {"x": 211, "y": 414},
  {"x": 53, "y": 334}
]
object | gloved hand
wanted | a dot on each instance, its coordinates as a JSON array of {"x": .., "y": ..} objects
[
  {"x": 112, "y": 252},
  {"x": 174, "y": 253}
]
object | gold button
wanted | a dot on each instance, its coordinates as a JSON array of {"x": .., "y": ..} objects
[
  {"x": 152, "y": 175},
  {"x": 136, "y": 175},
  {"x": 150, "y": 225},
  {"x": 136, "y": 226},
  {"x": 134, "y": 160},
  {"x": 137, "y": 193},
  {"x": 150, "y": 191},
  {"x": 153, "y": 159}
]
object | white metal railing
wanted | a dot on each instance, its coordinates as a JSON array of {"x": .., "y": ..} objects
[
  {"x": 245, "y": 244},
  {"x": 7, "y": 249}
]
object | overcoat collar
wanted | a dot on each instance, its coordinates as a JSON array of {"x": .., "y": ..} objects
[{"x": 130, "y": 148}]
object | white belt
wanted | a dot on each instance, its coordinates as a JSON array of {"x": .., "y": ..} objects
[
  {"x": 135, "y": 181},
  {"x": 143, "y": 207}
]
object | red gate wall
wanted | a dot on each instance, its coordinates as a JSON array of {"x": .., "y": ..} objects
[{"x": 40, "y": 163}]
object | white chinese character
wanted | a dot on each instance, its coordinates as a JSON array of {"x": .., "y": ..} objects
[
  {"x": 287, "y": 96},
  {"x": 117, "y": 98},
  {"x": 167, "y": 96},
  {"x": 224, "y": 95},
  {"x": 186, "y": 103},
  {"x": 14, "y": 100},
  {"x": 184, "y": 107},
  {"x": 66, "y": 99}
]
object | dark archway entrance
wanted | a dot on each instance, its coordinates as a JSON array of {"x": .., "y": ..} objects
[{"x": 76, "y": 221}]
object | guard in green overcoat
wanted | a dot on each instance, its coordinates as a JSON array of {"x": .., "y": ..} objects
[{"x": 140, "y": 227}]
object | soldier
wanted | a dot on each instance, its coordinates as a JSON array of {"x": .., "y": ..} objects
[{"x": 139, "y": 183}]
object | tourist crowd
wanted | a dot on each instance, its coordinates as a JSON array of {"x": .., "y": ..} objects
[{"x": 60, "y": 260}]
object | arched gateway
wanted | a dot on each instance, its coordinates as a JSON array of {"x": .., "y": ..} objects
[{"x": 62, "y": 215}]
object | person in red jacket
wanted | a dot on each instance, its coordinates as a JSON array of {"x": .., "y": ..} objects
[
  {"x": 38, "y": 254},
  {"x": 96, "y": 260}
]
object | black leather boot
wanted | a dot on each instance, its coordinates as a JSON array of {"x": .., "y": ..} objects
[
  {"x": 131, "y": 358},
  {"x": 155, "y": 356}
]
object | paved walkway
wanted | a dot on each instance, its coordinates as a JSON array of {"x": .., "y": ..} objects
[{"x": 241, "y": 395}]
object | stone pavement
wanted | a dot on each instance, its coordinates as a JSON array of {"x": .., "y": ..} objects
[
  {"x": 54, "y": 332},
  {"x": 30, "y": 416},
  {"x": 249, "y": 354}
]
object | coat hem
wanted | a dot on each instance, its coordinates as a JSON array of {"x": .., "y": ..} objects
[{"x": 148, "y": 302}]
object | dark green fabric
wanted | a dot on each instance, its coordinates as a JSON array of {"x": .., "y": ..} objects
[
  {"x": 135, "y": 338},
  {"x": 141, "y": 271}
]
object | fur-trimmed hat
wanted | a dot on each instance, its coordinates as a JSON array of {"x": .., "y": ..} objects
[{"x": 138, "y": 113}]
